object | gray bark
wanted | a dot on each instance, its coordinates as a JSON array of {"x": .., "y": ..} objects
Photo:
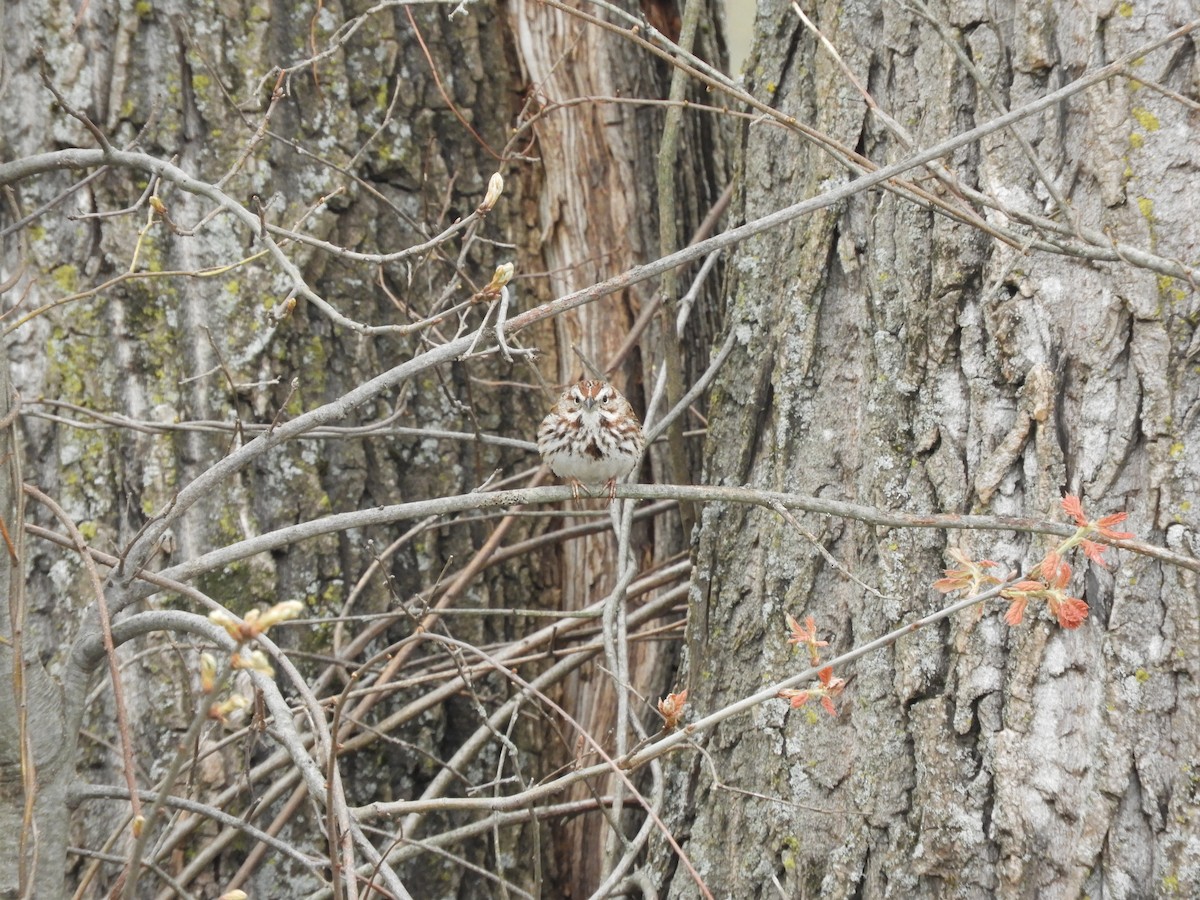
[
  {"x": 891, "y": 357},
  {"x": 370, "y": 153},
  {"x": 37, "y": 741},
  {"x": 887, "y": 355}
]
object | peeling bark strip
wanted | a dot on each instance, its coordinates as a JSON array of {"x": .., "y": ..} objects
[
  {"x": 895, "y": 358},
  {"x": 595, "y": 214}
]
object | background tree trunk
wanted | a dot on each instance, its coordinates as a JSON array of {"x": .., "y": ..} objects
[
  {"x": 1040, "y": 340},
  {"x": 891, "y": 357},
  {"x": 374, "y": 147},
  {"x": 597, "y": 213},
  {"x": 36, "y": 742}
]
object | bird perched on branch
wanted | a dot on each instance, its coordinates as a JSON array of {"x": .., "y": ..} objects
[{"x": 591, "y": 436}]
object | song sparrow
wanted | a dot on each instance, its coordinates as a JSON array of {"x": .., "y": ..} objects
[{"x": 591, "y": 436}]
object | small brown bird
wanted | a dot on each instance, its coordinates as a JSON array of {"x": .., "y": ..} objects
[{"x": 591, "y": 436}]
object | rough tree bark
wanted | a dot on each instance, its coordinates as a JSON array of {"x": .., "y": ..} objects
[
  {"x": 886, "y": 354},
  {"x": 597, "y": 215},
  {"x": 374, "y": 147},
  {"x": 892, "y": 357},
  {"x": 36, "y": 739}
]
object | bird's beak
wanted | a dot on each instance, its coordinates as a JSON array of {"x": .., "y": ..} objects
[{"x": 589, "y": 403}]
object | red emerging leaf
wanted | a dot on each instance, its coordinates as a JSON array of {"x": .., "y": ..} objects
[
  {"x": 1074, "y": 508},
  {"x": 1055, "y": 570},
  {"x": 1016, "y": 611},
  {"x": 671, "y": 708},
  {"x": 1022, "y": 587},
  {"x": 971, "y": 577},
  {"x": 803, "y": 634},
  {"x": 1104, "y": 526},
  {"x": 796, "y": 698},
  {"x": 1071, "y": 612},
  {"x": 1094, "y": 551},
  {"x": 806, "y": 635},
  {"x": 830, "y": 688}
]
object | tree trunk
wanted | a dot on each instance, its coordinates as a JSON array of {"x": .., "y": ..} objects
[
  {"x": 217, "y": 336},
  {"x": 892, "y": 357},
  {"x": 36, "y": 742},
  {"x": 597, "y": 219},
  {"x": 152, "y": 339}
]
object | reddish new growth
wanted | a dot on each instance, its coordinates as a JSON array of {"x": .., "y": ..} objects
[
  {"x": 1049, "y": 579},
  {"x": 1102, "y": 526},
  {"x": 827, "y": 687},
  {"x": 1055, "y": 574},
  {"x": 806, "y": 635},
  {"x": 671, "y": 708},
  {"x": 971, "y": 577}
]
